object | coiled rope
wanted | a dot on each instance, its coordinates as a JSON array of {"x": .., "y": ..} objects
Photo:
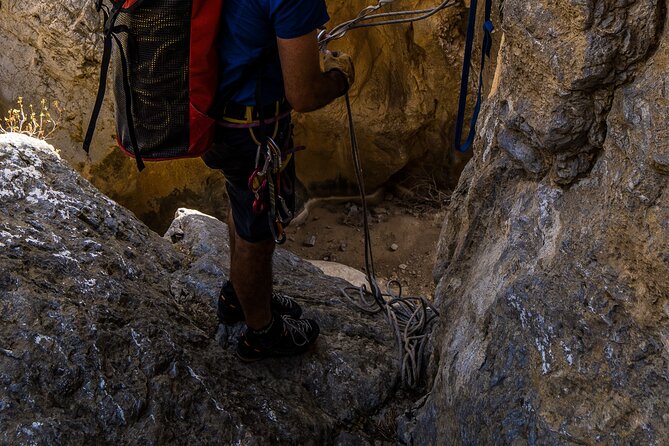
[{"x": 410, "y": 317}]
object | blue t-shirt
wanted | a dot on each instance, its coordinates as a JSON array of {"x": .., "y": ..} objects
[{"x": 248, "y": 27}]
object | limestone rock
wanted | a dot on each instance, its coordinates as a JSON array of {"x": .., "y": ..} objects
[
  {"x": 108, "y": 331},
  {"x": 552, "y": 266}
]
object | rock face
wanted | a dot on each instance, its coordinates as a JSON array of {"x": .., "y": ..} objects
[
  {"x": 553, "y": 257},
  {"x": 108, "y": 331},
  {"x": 403, "y": 102}
]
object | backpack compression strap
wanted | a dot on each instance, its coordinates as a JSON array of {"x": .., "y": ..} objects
[
  {"x": 464, "y": 86},
  {"x": 109, "y": 19},
  {"x": 109, "y": 30}
]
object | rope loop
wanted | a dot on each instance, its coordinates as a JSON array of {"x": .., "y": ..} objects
[
  {"x": 366, "y": 18},
  {"x": 410, "y": 317}
]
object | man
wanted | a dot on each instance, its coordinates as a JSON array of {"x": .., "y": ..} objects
[{"x": 270, "y": 59}]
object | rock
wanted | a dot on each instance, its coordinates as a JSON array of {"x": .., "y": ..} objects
[
  {"x": 310, "y": 241},
  {"x": 552, "y": 262},
  {"x": 394, "y": 247},
  {"x": 351, "y": 275},
  {"x": 403, "y": 266},
  {"x": 343, "y": 246},
  {"x": 108, "y": 331}
]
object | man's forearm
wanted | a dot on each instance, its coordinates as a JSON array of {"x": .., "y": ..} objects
[
  {"x": 307, "y": 87},
  {"x": 323, "y": 89}
]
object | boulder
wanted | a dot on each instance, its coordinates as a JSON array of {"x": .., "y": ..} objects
[
  {"x": 108, "y": 332},
  {"x": 552, "y": 263},
  {"x": 403, "y": 104}
]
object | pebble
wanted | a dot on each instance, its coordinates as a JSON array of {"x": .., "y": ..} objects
[
  {"x": 310, "y": 242},
  {"x": 394, "y": 247},
  {"x": 342, "y": 247},
  {"x": 403, "y": 266}
]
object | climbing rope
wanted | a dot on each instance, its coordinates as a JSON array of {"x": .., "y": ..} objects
[
  {"x": 411, "y": 317},
  {"x": 366, "y": 18}
]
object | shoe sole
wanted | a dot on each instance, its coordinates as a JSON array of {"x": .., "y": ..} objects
[
  {"x": 223, "y": 320},
  {"x": 248, "y": 360}
]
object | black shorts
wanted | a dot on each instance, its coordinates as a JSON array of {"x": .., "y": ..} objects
[{"x": 234, "y": 153}]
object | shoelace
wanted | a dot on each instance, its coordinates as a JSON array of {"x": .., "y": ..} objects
[
  {"x": 297, "y": 327},
  {"x": 282, "y": 299}
]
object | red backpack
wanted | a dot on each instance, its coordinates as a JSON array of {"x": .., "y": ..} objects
[{"x": 164, "y": 75}]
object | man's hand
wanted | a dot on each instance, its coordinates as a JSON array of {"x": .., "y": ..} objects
[{"x": 342, "y": 62}]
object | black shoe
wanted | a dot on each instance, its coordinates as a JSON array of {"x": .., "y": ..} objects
[
  {"x": 230, "y": 310},
  {"x": 284, "y": 336}
]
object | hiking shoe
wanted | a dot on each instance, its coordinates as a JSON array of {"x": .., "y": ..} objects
[
  {"x": 284, "y": 336},
  {"x": 230, "y": 310}
]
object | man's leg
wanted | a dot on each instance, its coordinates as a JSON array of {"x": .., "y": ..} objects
[{"x": 251, "y": 273}]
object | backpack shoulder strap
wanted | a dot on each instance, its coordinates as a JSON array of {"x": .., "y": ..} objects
[{"x": 109, "y": 20}]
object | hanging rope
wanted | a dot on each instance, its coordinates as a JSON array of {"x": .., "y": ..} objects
[{"x": 410, "y": 317}]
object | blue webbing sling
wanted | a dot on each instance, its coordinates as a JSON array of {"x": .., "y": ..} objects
[{"x": 485, "y": 52}]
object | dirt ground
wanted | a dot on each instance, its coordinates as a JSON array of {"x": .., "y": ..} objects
[{"x": 404, "y": 238}]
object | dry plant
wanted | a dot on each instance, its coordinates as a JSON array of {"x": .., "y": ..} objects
[
  {"x": 422, "y": 192},
  {"x": 38, "y": 124}
]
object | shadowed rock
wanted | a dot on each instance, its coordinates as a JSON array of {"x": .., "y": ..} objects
[
  {"x": 554, "y": 279},
  {"x": 108, "y": 333}
]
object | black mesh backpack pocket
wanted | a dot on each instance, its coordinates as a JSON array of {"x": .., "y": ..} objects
[{"x": 164, "y": 75}]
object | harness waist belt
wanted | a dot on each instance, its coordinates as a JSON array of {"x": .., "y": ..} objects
[{"x": 246, "y": 114}]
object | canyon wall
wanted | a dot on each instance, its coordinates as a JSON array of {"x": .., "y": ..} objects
[{"x": 553, "y": 258}]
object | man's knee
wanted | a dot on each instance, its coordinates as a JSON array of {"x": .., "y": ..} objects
[{"x": 262, "y": 248}]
